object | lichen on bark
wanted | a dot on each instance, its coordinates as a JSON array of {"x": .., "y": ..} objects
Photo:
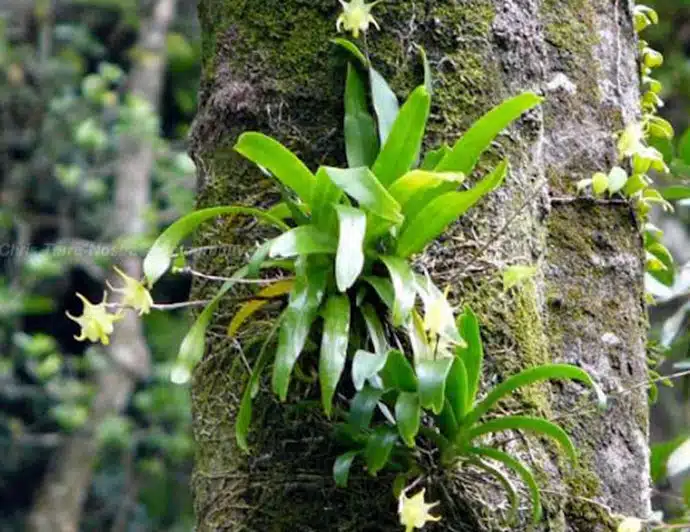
[{"x": 268, "y": 66}]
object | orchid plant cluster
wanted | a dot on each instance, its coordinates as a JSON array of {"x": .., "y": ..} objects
[{"x": 398, "y": 371}]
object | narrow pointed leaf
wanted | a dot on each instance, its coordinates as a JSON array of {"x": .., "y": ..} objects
[
  {"x": 398, "y": 372},
  {"x": 428, "y": 76},
  {"x": 401, "y": 149},
  {"x": 362, "y": 185},
  {"x": 527, "y": 377},
  {"x": 378, "y": 449},
  {"x": 416, "y": 182},
  {"x": 303, "y": 240},
  {"x": 385, "y": 104},
  {"x": 524, "y": 473},
  {"x": 365, "y": 366},
  {"x": 676, "y": 192},
  {"x": 433, "y": 219},
  {"x": 258, "y": 258},
  {"x": 361, "y": 141},
  {"x": 466, "y": 152},
  {"x": 342, "y": 466},
  {"x": 297, "y": 319},
  {"x": 349, "y": 259},
  {"x": 351, "y": 47},
  {"x": 447, "y": 422},
  {"x": 362, "y": 407},
  {"x": 277, "y": 159},
  {"x": 384, "y": 289},
  {"x": 431, "y": 375},
  {"x": 246, "y": 311},
  {"x": 244, "y": 416},
  {"x": 407, "y": 415},
  {"x": 472, "y": 354},
  {"x": 530, "y": 424},
  {"x": 375, "y": 329},
  {"x": 159, "y": 257},
  {"x": 433, "y": 157},
  {"x": 507, "y": 486},
  {"x": 456, "y": 388},
  {"x": 403, "y": 281},
  {"x": 326, "y": 197},
  {"x": 334, "y": 341}
]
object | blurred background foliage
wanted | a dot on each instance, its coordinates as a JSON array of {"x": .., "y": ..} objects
[{"x": 65, "y": 104}]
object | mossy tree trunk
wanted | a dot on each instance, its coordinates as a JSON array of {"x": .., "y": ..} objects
[{"x": 268, "y": 66}]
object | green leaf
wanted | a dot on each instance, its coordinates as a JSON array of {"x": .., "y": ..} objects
[
  {"x": 375, "y": 329},
  {"x": 419, "y": 340},
  {"x": 277, "y": 159},
  {"x": 517, "y": 274},
  {"x": 361, "y": 142},
  {"x": 447, "y": 422},
  {"x": 431, "y": 375},
  {"x": 302, "y": 309},
  {"x": 258, "y": 258},
  {"x": 159, "y": 257},
  {"x": 676, "y": 192},
  {"x": 526, "y": 378},
  {"x": 457, "y": 388},
  {"x": 524, "y": 473},
  {"x": 466, "y": 152},
  {"x": 193, "y": 345},
  {"x": 349, "y": 259},
  {"x": 403, "y": 281},
  {"x": 401, "y": 149},
  {"x": 398, "y": 373},
  {"x": 385, "y": 104},
  {"x": 507, "y": 486},
  {"x": 433, "y": 219},
  {"x": 365, "y": 366},
  {"x": 342, "y": 466},
  {"x": 414, "y": 184},
  {"x": 326, "y": 197},
  {"x": 303, "y": 240},
  {"x": 384, "y": 289},
  {"x": 334, "y": 341},
  {"x": 362, "y": 407},
  {"x": 244, "y": 416},
  {"x": 472, "y": 355},
  {"x": 433, "y": 157},
  {"x": 428, "y": 76},
  {"x": 379, "y": 448},
  {"x": 362, "y": 185},
  {"x": 407, "y": 415},
  {"x": 351, "y": 47},
  {"x": 527, "y": 423}
]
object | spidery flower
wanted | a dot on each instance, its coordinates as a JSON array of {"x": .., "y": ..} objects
[
  {"x": 96, "y": 322},
  {"x": 356, "y": 17}
]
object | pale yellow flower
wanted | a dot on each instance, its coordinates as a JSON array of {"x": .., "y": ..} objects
[
  {"x": 134, "y": 293},
  {"x": 96, "y": 322},
  {"x": 414, "y": 511},
  {"x": 631, "y": 140},
  {"x": 630, "y": 524},
  {"x": 356, "y": 17}
]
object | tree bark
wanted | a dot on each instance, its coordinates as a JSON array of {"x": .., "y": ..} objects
[
  {"x": 58, "y": 506},
  {"x": 268, "y": 66}
]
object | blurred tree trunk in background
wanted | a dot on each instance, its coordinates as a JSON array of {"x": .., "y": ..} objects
[
  {"x": 60, "y": 499},
  {"x": 268, "y": 66}
]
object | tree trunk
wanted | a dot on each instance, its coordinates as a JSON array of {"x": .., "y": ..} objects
[{"x": 268, "y": 66}]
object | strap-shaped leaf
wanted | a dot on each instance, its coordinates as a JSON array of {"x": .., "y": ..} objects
[
  {"x": 433, "y": 157},
  {"x": 407, "y": 415},
  {"x": 383, "y": 287},
  {"x": 244, "y": 416},
  {"x": 365, "y": 366},
  {"x": 507, "y": 486},
  {"x": 466, "y": 152},
  {"x": 375, "y": 329},
  {"x": 404, "y": 287},
  {"x": 401, "y": 149},
  {"x": 306, "y": 296},
  {"x": 192, "y": 346},
  {"x": 517, "y": 466},
  {"x": 258, "y": 258},
  {"x": 361, "y": 142},
  {"x": 351, "y": 47},
  {"x": 334, "y": 341},
  {"x": 431, "y": 375},
  {"x": 456, "y": 388},
  {"x": 398, "y": 373},
  {"x": 277, "y": 159},
  {"x": 349, "y": 259},
  {"x": 428, "y": 76},
  {"x": 159, "y": 257},
  {"x": 447, "y": 422},
  {"x": 362, "y": 185},
  {"x": 433, "y": 219},
  {"x": 246, "y": 311},
  {"x": 527, "y": 423},
  {"x": 342, "y": 466},
  {"x": 416, "y": 182},
  {"x": 527, "y": 377},
  {"x": 385, "y": 104},
  {"x": 326, "y": 197},
  {"x": 362, "y": 407},
  {"x": 378, "y": 449},
  {"x": 303, "y": 240},
  {"x": 472, "y": 354}
]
